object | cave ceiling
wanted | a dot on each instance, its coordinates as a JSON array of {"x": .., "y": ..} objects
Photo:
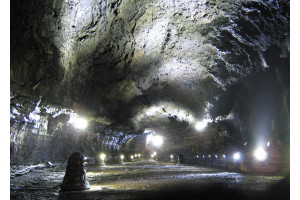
[{"x": 148, "y": 63}]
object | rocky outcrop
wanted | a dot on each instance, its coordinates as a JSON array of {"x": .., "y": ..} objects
[
  {"x": 108, "y": 56},
  {"x": 40, "y": 134},
  {"x": 144, "y": 64}
]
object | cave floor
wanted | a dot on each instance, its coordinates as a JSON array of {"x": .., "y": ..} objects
[{"x": 144, "y": 179}]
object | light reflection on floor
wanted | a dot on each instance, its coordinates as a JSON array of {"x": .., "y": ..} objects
[{"x": 128, "y": 180}]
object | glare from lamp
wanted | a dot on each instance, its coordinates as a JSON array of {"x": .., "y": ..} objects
[
  {"x": 121, "y": 157},
  {"x": 260, "y": 154},
  {"x": 237, "y": 156},
  {"x": 200, "y": 125},
  {"x": 149, "y": 138},
  {"x": 102, "y": 156},
  {"x": 78, "y": 122},
  {"x": 157, "y": 140}
]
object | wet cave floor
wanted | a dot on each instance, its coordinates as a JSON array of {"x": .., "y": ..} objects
[{"x": 146, "y": 179}]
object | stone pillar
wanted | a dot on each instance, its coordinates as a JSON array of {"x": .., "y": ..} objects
[{"x": 75, "y": 177}]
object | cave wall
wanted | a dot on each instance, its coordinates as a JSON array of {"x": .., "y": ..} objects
[
  {"x": 115, "y": 61},
  {"x": 113, "y": 58},
  {"x": 40, "y": 134}
]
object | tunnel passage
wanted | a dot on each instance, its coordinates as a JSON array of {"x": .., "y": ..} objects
[{"x": 211, "y": 77}]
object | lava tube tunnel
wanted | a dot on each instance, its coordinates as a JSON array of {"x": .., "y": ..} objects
[{"x": 149, "y": 99}]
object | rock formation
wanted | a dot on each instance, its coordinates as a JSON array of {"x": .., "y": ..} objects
[{"x": 128, "y": 65}]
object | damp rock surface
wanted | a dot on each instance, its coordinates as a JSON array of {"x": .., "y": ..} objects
[
  {"x": 131, "y": 65},
  {"x": 75, "y": 176},
  {"x": 115, "y": 58},
  {"x": 149, "y": 180}
]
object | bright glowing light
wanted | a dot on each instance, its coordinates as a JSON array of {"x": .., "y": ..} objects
[
  {"x": 78, "y": 123},
  {"x": 139, "y": 155},
  {"x": 197, "y": 156},
  {"x": 209, "y": 156},
  {"x": 131, "y": 157},
  {"x": 171, "y": 156},
  {"x": 149, "y": 138},
  {"x": 216, "y": 156},
  {"x": 260, "y": 154},
  {"x": 268, "y": 143},
  {"x": 224, "y": 156},
  {"x": 153, "y": 110},
  {"x": 102, "y": 156},
  {"x": 121, "y": 157},
  {"x": 154, "y": 153},
  {"x": 203, "y": 156},
  {"x": 200, "y": 125},
  {"x": 237, "y": 156},
  {"x": 135, "y": 155},
  {"x": 157, "y": 140}
]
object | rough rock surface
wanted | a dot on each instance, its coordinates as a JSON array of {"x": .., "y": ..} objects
[
  {"x": 146, "y": 64},
  {"x": 75, "y": 176}
]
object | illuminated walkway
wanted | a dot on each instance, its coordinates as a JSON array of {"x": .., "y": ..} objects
[{"x": 148, "y": 180}]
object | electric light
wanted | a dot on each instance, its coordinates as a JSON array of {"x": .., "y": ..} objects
[
  {"x": 154, "y": 153},
  {"x": 200, "y": 125},
  {"x": 224, "y": 156},
  {"x": 157, "y": 140},
  {"x": 260, "y": 154},
  {"x": 236, "y": 156},
  {"x": 135, "y": 155},
  {"x": 268, "y": 143},
  {"x": 139, "y": 155},
  {"x": 121, "y": 157},
  {"x": 102, "y": 156},
  {"x": 131, "y": 157},
  {"x": 78, "y": 123},
  {"x": 85, "y": 159},
  {"x": 171, "y": 156},
  {"x": 149, "y": 138},
  {"x": 216, "y": 156}
]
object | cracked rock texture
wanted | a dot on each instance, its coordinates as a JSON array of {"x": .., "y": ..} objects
[{"x": 146, "y": 64}]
